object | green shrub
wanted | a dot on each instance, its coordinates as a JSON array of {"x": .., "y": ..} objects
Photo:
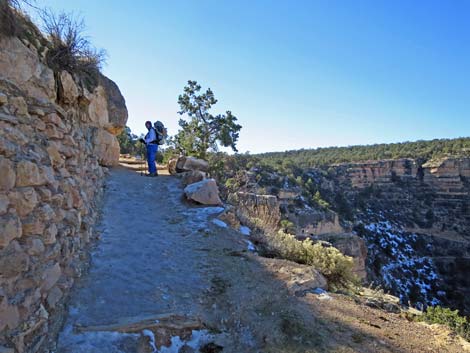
[
  {"x": 287, "y": 226},
  {"x": 335, "y": 266},
  {"x": 450, "y": 318}
]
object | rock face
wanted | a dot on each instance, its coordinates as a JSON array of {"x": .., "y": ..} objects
[
  {"x": 204, "y": 192},
  {"x": 55, "y": 138},
  {"x": 187, "y": 164},
  {"x": 261, "y": 211}
]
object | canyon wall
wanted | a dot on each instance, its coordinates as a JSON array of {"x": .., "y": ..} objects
[{"x": 57, "y": 138}]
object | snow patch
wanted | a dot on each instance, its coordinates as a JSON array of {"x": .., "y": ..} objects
[
  {"x": 219, "y": 223},
  {"x": 245, "y": 230}
]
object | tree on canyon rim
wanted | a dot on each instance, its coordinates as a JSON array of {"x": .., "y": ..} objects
[{"x": 203, "y": 132}]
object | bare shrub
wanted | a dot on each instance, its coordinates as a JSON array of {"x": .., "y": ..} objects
[{"x": 70, "y": 49}]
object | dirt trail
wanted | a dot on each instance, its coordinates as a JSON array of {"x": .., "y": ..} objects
[{"x": 158, "y": 256}]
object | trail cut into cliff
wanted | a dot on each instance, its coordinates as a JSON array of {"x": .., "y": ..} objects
[{"x": 169, "y": 276}]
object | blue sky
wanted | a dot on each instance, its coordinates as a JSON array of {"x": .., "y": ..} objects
[{"x": 297, "y": 74}]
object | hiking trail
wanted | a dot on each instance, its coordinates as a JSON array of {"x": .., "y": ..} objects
[{"x": 165, "y": 277}]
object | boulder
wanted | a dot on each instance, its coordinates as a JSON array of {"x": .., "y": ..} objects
[
  {"x": 192, "y": 177},
  {"x": 187, "y": 164},
  {"x": 106, "y": 148},
  {"x": 180, "y": 164},
  {"x": 204, "y": 192},
  {"x": 117, "y": 111},
  {"x": 192, "y": 163},
  {"x": 172, "y": 166}
]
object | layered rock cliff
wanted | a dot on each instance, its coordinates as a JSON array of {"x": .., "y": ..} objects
[
  {"x": 56, "y": 139},
  {"x": 406, "y": 222}
]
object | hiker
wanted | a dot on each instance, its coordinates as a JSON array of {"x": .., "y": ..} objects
[{"x": 150, "y": 141}]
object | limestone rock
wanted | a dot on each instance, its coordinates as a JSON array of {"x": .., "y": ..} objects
[
  {"x": 57, "y": 160},
  {"x": 192, "y": 163},
  {"x": 204, "y": 192},
  {"x": 257, "y": 210},
  {"x": 117, "y": 111},
  {"x": 98, "y": 107},
  {"x": 19, "y": 106},
  {"x": 10, "y": 228},
  {"x": 50, "y": 277},
  {"x": 193, "y": 177},
  {"x": 7, "y": 174},
  {"x": 32, "y": 225},
  {"x": 180, "y": 164},
  {"x": 27, "y": 174},
  {"x": 13, "y": 260},
  {"x": 172, "y": 166},
  {"x": 22, "y": 66},
  {"x": 187, "y": 164},
  {"x": 69, "y": 90},
  {"x": 24, "y": 200},
  {"x": 106, "y": 148}
]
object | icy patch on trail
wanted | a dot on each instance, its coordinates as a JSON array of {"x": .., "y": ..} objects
[
  {"x": 250, "y": 246},
  {"x": 245, "y": 230},
  {"x": 93, "y": 342},
  {"x": 198, "y": 339},
  {"x": 219, "y": 223},
  {"x": 198, "y": 216},
  {"x": 151, "y": 337},
  {"x": 392, "y": 251}
]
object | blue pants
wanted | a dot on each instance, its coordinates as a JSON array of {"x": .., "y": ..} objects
[{"x": 151, "y": 155}]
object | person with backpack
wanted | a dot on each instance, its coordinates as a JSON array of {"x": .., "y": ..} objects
[{"x": 151, "y": 144}]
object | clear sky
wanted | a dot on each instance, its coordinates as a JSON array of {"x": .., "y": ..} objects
[{"x": 297, "y": 74}]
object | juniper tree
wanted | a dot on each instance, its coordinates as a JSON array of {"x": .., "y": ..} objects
[{"x": 202, "y": 131}]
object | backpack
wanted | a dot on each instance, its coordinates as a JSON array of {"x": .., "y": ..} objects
[{"x": 161, "y": 132}]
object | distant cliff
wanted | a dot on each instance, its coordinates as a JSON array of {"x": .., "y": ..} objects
[{"x": 405, "y": 221}]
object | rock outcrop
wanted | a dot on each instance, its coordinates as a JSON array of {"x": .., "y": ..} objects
[
  {"x": 56, "y": 138},
  {"x": 204, "y": 192}
]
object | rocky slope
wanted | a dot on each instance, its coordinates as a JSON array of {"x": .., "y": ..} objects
[
  {"x": 406, "y": 222},
  {"x": 56, "y": 140}
]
